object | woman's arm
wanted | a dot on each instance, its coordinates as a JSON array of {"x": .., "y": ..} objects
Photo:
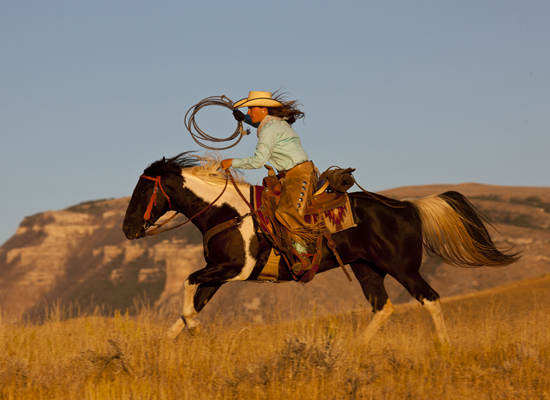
[{"x": 266, "y": 142}]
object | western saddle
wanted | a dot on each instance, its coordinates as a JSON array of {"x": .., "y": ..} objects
[{"x": 328, "y": 207}]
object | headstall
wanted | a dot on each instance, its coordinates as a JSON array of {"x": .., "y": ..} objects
[{"x": 153, "y": 202}]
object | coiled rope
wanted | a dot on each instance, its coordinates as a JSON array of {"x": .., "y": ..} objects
[{"x": 199, "y": 136}]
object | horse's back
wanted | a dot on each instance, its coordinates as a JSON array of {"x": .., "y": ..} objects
[
  {"x": 388, "y": 231},
  {"x": 369, "y": 207}
]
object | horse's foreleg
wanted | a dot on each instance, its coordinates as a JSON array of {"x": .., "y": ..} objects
[
  {"x": 188, "y": 317},
  {"x": 434, "y": 308},
  {"x": 175, "y": 329},
  {"x": 189, "y": 313},
  {"x": 195, "y": 298}
]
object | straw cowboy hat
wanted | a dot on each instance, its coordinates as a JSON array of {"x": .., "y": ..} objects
[{"x": 258, "y": 99}]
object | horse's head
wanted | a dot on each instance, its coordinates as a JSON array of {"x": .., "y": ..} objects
[
  {"x": 147, "y": 205},
  {"x": 151, "y": 197},
  {"x": 184, "y": 183}
]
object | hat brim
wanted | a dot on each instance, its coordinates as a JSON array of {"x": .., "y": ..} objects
[{"x": 258, "y": 102}]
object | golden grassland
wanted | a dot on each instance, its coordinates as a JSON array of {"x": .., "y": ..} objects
[{"x": 500, "y": 350}]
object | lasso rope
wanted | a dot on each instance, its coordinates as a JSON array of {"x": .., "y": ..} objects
[{"x": 199, "y": 136}]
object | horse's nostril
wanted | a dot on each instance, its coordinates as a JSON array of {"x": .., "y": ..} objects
[{"x": 127, "y": 229}]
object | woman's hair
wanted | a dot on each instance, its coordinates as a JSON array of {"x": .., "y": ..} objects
[{"x": 289, "y": 109}]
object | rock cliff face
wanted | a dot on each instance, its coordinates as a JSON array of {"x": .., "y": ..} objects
[{"x": 80, "y": 256}]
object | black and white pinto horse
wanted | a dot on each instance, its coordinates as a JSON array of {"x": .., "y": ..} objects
[{"x": 389, "y": 237}]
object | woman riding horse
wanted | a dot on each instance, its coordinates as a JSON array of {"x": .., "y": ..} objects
[
  {"x": 389, "y": 238},
  {"x": 282, "y": 147}
]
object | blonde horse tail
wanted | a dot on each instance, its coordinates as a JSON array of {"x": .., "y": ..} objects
[{"x": 453, "y": 231}]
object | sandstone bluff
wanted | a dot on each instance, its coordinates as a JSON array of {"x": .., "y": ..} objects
[{"x": 80, "y": 256}]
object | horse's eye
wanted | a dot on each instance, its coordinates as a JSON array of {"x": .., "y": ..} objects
[{"x": 143, "y": 191}]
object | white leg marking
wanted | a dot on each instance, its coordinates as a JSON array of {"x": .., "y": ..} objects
[
  {"x": 189, "y": 312},
  {"x": 175, "y": 329},
  {"x": 377, "y": 321},
  {"x": 434, "y": 308}
]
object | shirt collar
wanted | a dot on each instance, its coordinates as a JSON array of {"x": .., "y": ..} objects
[{"x": 267, "y": 119}]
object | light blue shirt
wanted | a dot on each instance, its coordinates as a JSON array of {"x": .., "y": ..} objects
[{"x": 278, "y": 144}]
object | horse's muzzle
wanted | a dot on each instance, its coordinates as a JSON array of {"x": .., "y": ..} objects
[{"x": 133, "y": 233}]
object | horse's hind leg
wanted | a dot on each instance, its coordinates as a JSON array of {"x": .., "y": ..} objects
[
  {"x": 372, "y": 283},
  {"x": 434, "y": 308},
  {"x": 195, "y": 298},
  {"x": 423, "y": 292}
]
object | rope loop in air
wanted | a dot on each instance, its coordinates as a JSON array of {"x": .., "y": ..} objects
[{"x": 199, "y": 136}]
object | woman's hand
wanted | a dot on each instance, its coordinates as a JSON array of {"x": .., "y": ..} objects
[{"x": 225, "y": 164}]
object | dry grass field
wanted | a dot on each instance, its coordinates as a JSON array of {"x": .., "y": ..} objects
[{"x": 500, "y": 350}]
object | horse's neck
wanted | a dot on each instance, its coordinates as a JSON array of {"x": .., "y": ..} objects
[{"x": 206, "y": 193}]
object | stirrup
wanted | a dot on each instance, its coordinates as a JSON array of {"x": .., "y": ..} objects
[{"x": 302, "y": 265}]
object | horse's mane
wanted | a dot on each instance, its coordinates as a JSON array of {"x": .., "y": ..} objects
[
  {"x": 159, "y": 167},
  {"x": 204, "y": 167}
]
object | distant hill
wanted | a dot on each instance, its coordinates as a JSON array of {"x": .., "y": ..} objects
[
  {"x": 80, "y": 255},
  {"x": 521, "y": 296}
]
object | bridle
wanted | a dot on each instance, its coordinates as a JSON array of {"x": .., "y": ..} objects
[
  {"x": 153, "y": 202},
  {"x": 213, "y": 231}
]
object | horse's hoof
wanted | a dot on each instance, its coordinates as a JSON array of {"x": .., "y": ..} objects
[{"x": 194, "y": 331}]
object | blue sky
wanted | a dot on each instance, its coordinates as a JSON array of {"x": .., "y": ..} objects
[{"x": 407, "y": 92}]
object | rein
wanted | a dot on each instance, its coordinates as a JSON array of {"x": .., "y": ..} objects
[
  {"x": 216, "y": 229},
  {"x": 153, "y": 202}
]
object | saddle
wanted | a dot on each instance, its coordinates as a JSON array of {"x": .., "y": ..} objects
[{"x": 329, "y": 205}]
